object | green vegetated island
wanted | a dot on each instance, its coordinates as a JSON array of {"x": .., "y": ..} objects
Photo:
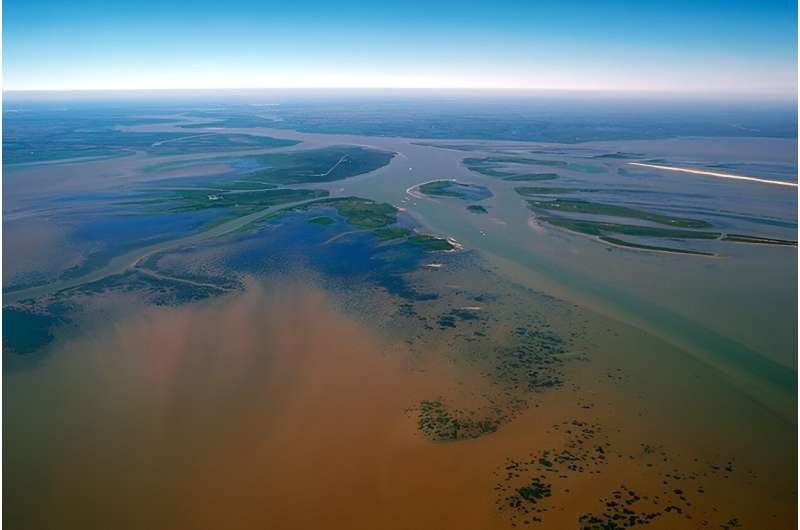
[
  {"x": 677, "y": 228},
  {"x": 318, "y": 165},
  {"x": 379, "y": 218},
  {"x": 455, "y": 189},
  {"x": 535, "y": 191},
  {"x": 561, "y": 212},
  {"x": 246, "y": 193},
  {"x": 503, "y": 167},
  {"x": 595, "y": 208}
]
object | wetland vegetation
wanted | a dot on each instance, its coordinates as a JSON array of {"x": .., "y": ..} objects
[
  {"x": 318, "y": 165},
  {"x": 243, "y": 202},
  {"x": 741, "y": 238},
  {"x": 455, "y": 189},
  {"x": 599, "y": 228},
  {"x": 504, "y": 167},
  {"x": 612, "y": 210}
]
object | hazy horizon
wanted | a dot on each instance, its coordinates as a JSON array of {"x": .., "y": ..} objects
[
  {"x": 520, "y": 94},
  {"x": 429, "y": 90},
  {"x": 742, "y": 47}
]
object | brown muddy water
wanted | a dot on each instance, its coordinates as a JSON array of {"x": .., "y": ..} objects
[{"x": 276, "y": 408}]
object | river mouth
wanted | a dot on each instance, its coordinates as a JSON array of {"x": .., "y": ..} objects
[{"x": 380, "y": 356}]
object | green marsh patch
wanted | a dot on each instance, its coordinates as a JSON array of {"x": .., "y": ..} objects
[
  {"x": 391, "y": 233},
  {"x": 502, "y": 166},
  {"x": 532, "y": 191},
  {"x": 600, "y": 228},
  {"x": 318, "y": 165},
  {"x": 640, "y": 246},
  {"x": 362, "y": 213},
  {"x": 378, "y": 218},
  {"x": 531, "y": 177},
  {"x": 246, "y": 201},
  {"x": 456, "y": 190},
  {"x": 595, "y": 208},
  {"x": 759, "y": 240},
  {"x": 431, "y": 243}
]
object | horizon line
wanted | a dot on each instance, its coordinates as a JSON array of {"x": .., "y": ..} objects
[{"x": 516, "y": 90}]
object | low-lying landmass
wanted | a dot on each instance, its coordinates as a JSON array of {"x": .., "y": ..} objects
[
  {"x": 242, "y": 202},
  {"x": 741, "y": 238},
  {"x": 532, "y": 191},
  {"x": 597, "y": 228},
  {"x": 318, "y": 165},
  {"x": 503, "y": 166},
  {"x": 658, "y": 248},
  {"x": 531, "y": 177},
  {"x": 455, "y": 189},
  {"x": 612, "y": 210},
  {"x": 377, "y": 217}
]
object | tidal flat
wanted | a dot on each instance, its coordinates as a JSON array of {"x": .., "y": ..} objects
[{"x": 477, "y": 351}]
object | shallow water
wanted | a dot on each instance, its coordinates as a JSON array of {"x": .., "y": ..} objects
[
  {"x": 294, "y": 401},
  {"x": 275, "y": 407}
]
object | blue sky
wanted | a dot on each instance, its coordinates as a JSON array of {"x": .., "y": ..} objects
[{"x": 700, "y": 46}]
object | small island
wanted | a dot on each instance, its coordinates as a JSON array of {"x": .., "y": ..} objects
[{"x": 455, "y": 189}]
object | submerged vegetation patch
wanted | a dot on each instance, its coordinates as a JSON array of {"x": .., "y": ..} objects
[
  {"x": 439, "y": 423},
  {"x": 620, "y": 511},
  {"x": 455, "y": 315},
  {"x": 322, "y": 221},
  {"x": 26, "y": 330},
  {"x": 535, "y": 491}
]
